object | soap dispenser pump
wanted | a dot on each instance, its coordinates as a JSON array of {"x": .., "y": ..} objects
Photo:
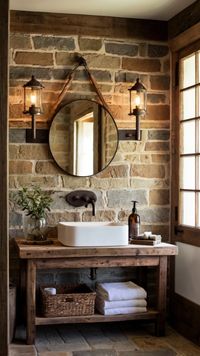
[{"x": 134, "y": 223}]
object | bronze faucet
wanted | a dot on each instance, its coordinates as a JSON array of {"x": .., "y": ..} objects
[{"x": 79, "y": 198}]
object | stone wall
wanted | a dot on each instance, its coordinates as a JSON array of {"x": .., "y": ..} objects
[{"x": 140, "y": 170}]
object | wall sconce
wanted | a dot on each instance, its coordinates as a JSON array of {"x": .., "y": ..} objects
[
  {"x": 138, "y": 99},
  {"x": 33, "y": 101}
]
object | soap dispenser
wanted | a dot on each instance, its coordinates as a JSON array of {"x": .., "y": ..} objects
[{"x": 134, "y": 223}]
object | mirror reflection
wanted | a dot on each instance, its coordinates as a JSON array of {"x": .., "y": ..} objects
[{"x": 83, "y": 137}]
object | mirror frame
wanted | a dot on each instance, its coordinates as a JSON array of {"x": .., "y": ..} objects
[{"x": 63, "y": 104}]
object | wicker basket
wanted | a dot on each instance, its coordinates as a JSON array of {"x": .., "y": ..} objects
[{"x": 68, "y": 301}]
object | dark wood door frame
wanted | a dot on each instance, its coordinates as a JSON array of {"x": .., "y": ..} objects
[{"x": 4, "y": 273}]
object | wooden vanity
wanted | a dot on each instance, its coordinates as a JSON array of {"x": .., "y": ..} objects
[{"x": 57, "y": 256}]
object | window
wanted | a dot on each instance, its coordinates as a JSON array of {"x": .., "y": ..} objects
[{"x": 189, "y": 153}]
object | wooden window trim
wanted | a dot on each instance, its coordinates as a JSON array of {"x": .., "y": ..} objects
[{"x": 180, "y": 46}]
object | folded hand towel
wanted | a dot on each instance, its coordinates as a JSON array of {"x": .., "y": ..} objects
[
  {"x": 128, "y": 310},
  {"x": 120, "y": 303},
  {"x": 120, "y": 291}
]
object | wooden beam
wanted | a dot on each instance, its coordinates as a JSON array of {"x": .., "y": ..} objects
[
  {"x": 85, "y": 25},
  {"x": 184, "y": 20},
  {"x": 191, "y": 35},
  {"x": 4, "y": 26}
]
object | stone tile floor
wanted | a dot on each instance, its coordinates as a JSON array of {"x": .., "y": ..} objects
[{"x": 117, "y": 339}]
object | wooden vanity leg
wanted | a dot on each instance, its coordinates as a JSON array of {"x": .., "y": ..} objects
[
  {"x": 161, "y": 293},
  {"x": 23, "y": 290},
  {"x": 31, "y": 302}
]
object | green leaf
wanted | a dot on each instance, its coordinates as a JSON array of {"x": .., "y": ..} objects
[{"x": 34, "y": 201}]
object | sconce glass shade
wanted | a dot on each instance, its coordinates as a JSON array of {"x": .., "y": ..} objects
[
  {"x": 33, "y": 97},
  {"x": 138, "y": 99}
]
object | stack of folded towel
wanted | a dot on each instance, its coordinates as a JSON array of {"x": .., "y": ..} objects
[{"x": 120, "y": 298}]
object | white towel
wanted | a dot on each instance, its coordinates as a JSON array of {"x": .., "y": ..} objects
[
  {"x": 120, "y": 303},
  {"x": 121, "y": 291},
  {"x": 128, "y": 310}
]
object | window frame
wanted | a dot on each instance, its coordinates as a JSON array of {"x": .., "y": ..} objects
[
  {"x": 182, "y": 233},
  {"x": 183, "y": 156}
]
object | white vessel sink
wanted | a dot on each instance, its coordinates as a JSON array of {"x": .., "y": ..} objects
[{"x": 92, "y": 234}]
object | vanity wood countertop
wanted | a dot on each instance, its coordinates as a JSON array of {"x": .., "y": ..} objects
[{"x": 57, "y": 250}]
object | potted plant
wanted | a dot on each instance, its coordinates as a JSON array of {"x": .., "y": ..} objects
[{"x": 36, "y": 203}]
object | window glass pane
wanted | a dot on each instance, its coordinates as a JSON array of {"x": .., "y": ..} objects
[
  {"x": 188, "y": 71},
  {"x": 187, "y": 172},
  {"x": 187, "y": 216},
  {"x": 188, "y": 104},
  {"x": 187, "y": 137},
  {"x": 189, "y": 168}
]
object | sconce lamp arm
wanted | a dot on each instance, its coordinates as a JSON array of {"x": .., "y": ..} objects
[
  {"x": 137, "y": 126},
  {"x": 33, "y": 124}
]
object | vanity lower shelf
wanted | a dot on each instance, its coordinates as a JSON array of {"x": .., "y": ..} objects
[{"x": 96, "y": 318}]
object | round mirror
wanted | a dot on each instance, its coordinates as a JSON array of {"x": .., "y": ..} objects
[{"x": 83, "y": 137}]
